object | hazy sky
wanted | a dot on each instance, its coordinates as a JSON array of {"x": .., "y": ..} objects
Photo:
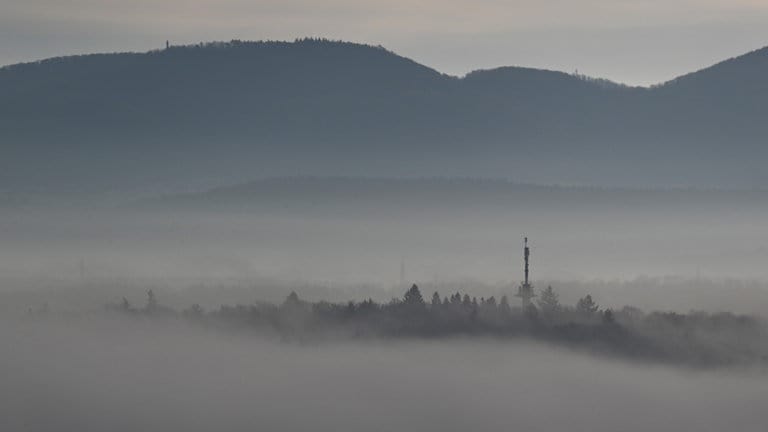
[{"x": 634, "y": 41}]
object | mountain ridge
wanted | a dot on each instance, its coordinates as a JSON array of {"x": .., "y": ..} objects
[
  {"x": 763, "y": 51},
  {"x": 211, "y": 114}
]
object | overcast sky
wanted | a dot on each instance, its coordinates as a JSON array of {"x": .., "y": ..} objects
[{"x": 632, "y": 41}]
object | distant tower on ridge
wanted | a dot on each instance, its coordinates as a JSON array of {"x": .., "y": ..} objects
[
  {"x": 525, "y": 291},
  {"x": 167, "y": 44}
]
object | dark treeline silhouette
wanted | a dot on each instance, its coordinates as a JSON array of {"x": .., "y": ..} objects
[{"x": 695, "y": 338}]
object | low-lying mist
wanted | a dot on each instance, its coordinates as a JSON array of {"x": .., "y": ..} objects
[
  {"x": 111, "y": 373},
  {"x": 223, "y": 351},
  {"x": 351, "y": 239}
]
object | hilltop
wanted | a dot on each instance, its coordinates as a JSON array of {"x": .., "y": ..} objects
[{"x": 219, "y": 113}]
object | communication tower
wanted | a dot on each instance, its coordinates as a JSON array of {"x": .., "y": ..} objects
[{"x": 525, "y": 291}]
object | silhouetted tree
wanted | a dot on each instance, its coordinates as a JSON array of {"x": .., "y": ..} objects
[
  {"x": 436, "y": 300},
  {"x": 608, "y": 317},
  {"x": 413, "y": 296},
  {"x": 456, "y": 299},
  {"x": 368, "y": 306},
  {"x": 548, "y": 301},
  {"x": 586, "y": 305},
  {"x": 292, "y": 299},
  {"x": 466, "y": 302}
]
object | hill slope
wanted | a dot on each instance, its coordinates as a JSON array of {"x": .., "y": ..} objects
[{"x": 210, "y": 114}]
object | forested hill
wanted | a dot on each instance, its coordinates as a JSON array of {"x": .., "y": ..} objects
[
  {"x": 350, "y": 197},
  {"x": 196, "y": 116}
]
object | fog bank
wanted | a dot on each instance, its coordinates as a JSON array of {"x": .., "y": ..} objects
[{"x": 126, "y": 376}]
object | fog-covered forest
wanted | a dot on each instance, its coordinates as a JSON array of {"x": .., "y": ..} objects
[
  {"x": 663, "y": 276},
  {"x": 444, "y": 362},
  {"x": 696, "y": 338}
]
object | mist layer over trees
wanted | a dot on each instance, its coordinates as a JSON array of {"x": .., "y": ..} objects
[{"x": 695, "y": 339}]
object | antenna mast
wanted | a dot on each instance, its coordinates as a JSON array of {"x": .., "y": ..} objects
[
  {"x": 526, "y": 254},
  {"x": 525, "y": 291}
]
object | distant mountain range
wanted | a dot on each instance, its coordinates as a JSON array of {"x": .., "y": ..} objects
[
  {"x": 383, "y": 197},
  {"x": 212, "y": 114}
]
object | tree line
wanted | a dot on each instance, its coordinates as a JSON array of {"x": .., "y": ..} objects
[{"x": 697, "y": 338}]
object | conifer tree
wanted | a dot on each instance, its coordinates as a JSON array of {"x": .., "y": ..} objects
[
  {"x": 586, "y": 305},
  {"x": 413, "y": 296},
  {"x": 435, "y": 300},
  {"x": 548, "y": 301}
]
